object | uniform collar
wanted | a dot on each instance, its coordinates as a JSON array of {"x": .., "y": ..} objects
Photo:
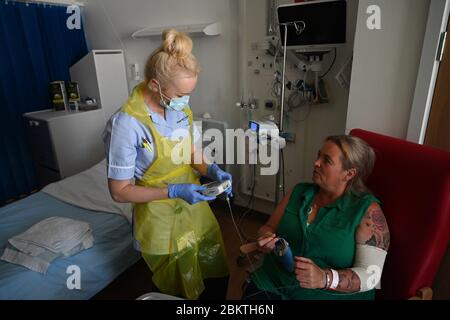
[{"x": 156, "y": 117}]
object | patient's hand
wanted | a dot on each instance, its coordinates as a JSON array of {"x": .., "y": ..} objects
[{"x": 266, "y": 243}]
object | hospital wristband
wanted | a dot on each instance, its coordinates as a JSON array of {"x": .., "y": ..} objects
[{"x": 335, "y": 279}]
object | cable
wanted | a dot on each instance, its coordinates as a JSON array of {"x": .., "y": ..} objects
[
  {"x": 301, "y": 96},
  {"x": 277, "y": 49},
  {"x": 240, "y": 238},
  {"x": 296, "y": 100},
  {"x": 249, "y": 208},
  {"x": 282, "y": 163},
  {"x": 246, "y": 255},
  {"x": 234, "y": 222},
  {"x": 320, "y": 92},
  {"x": 306, "y": 117},
  {"x": 276, "y": 89},
  {"x": 316, "y": 86},
  {"x": 304, "y": 80},
  {"x": 331, "y": 66},
  {"x": 252, "y": 195}
]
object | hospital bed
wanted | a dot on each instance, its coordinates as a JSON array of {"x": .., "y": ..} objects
[{"x": 83, "y": 197}]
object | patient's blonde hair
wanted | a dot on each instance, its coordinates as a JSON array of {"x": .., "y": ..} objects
[
  {"x": 356, "y": 153},
  {"x": 172, "y": 57}
]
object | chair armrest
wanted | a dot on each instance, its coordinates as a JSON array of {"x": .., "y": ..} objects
[{"x": 425, "y": 293}]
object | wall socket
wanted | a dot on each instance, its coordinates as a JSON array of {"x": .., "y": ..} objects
[
  {"x": 267, "y": 65},
  {"x": 270, "y": 104}
]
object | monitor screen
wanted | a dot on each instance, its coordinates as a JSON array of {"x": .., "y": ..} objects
[
  {"x": 254, "y": 126},
  {"x": 325, "y": 23}
]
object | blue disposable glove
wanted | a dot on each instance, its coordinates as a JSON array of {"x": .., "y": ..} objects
[
  {"x": 217, "y": 174},
  {"x": 188, "y": 192}
]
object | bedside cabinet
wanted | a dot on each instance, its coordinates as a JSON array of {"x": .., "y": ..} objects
[{"x": 64, "y": 143}]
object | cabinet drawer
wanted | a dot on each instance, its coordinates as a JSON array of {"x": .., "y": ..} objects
[{"x": 41, "y": 143}]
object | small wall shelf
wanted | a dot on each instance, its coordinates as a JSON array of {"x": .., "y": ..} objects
[{"x": 196, "y": 30}]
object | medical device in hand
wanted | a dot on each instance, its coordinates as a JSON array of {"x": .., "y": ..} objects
[
  {"x": 284, "y": 255},
  {"x": 213, "y": 189}
]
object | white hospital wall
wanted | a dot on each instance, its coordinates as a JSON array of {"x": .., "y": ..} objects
[
  {"x": 107, "y": 20},
  {"x": 385, "y": 66}
]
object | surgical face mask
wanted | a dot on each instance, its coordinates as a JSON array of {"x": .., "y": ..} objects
[{"x": 176, "y": 104}]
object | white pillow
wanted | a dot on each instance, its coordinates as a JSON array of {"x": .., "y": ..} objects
[{"x": 89, "y": 190}]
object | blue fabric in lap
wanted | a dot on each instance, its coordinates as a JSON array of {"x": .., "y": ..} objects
[{"x": 111, "y": 254}]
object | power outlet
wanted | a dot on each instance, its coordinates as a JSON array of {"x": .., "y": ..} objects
[
  {"x": 267, "y": 65},
  {"x": 269, "y": 104}
]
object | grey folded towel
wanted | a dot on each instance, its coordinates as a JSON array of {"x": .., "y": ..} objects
[{"x": 47, "y": 240}]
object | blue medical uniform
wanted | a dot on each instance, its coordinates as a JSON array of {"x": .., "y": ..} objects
[{"x": 126, "y": 157}]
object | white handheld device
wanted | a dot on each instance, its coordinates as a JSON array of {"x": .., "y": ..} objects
[{"x": 213, "y": 189}]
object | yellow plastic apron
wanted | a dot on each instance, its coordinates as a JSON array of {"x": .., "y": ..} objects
[{"x": 181, "y": 243}]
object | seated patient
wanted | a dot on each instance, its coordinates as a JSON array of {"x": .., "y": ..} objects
[{"x": 335, "y": 228}]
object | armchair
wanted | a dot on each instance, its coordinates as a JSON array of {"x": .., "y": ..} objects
[{"x": 413, "y": 183}]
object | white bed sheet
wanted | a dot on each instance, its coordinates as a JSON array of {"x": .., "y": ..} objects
[{"x": 89, "y": 190}]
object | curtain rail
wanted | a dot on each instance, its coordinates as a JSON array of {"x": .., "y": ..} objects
[{"x": 51, "y": 2}]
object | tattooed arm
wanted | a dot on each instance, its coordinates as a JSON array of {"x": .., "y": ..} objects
[{"x": 373, "y": 231}]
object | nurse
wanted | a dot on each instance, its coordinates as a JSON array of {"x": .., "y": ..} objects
[{"x": 173, "y": 225}]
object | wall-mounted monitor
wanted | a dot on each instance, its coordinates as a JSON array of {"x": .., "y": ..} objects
[{"x": 325, "y": 24}]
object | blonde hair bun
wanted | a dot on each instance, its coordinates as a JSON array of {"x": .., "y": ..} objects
[
  {"x": 172, "y": 57},
  {"x": 176, "y": 43}
]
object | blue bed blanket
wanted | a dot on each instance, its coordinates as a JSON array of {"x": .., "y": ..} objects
[{"x": 99, "y": 265}]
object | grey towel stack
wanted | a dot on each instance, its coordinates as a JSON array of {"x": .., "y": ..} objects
[{"x": 47, "y": 240}]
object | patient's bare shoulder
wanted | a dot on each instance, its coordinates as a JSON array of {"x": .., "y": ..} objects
[{"x": 373, "y": 229}]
